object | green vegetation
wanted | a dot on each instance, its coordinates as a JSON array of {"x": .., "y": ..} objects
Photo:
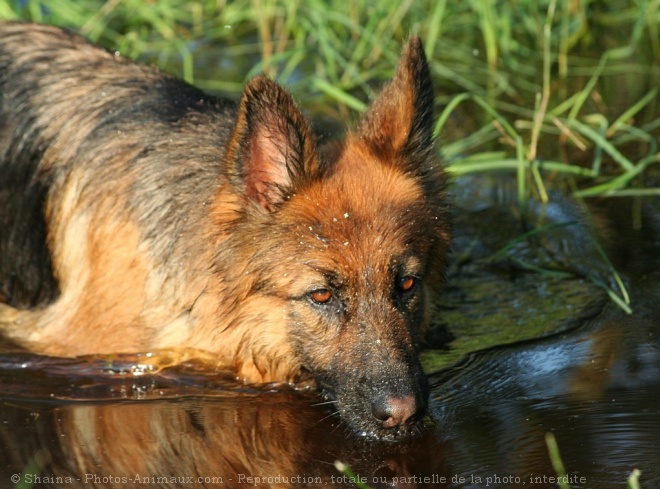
[
  {"x": 633, "y": 479},
  {"x": 556, "y": 92},
  {"x": 542, "y": 89},
  {"x": 560, "y": 470},
  {"x": 553, "y": 452},
  {"x": 555, "y": 458}
]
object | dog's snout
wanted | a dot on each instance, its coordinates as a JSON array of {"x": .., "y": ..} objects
[{"x": 397, "y": 411}]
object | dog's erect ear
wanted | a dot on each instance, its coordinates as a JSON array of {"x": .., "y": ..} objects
[
  {"x": 398, "y": 127},
  {"x": 272, "y": 149}
]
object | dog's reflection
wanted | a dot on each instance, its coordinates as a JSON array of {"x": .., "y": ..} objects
[{"x": 273, "y": 440}]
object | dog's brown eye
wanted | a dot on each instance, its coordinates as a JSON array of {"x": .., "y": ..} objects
[
  {"x": 406, "y": 284},
  {"x": 321, "y": 296}
]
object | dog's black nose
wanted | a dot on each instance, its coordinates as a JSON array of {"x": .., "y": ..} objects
[{"x": 397, "y": 411}]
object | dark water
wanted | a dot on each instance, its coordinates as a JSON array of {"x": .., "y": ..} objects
[{"x": 531, "y": 353}]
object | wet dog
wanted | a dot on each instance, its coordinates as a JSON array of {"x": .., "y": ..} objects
[{"x": 138, "y": 213}]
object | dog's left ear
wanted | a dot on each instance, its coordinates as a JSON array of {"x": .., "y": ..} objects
[
  {"x": 398, "y": 127},
  {"x": 272, "y": 151}
]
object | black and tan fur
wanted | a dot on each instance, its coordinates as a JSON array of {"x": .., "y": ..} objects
[{"x": 138, "y": 213}]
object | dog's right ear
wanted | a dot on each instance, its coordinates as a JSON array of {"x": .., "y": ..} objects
[
  {"x": 272, "y": 150},
  {"x": 398, "y": 127}
]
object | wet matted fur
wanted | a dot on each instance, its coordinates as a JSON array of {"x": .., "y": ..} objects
[{"x": 138, "y": 213}]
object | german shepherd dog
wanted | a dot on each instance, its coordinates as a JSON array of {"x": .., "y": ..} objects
[{"x": 138, "y": 213}]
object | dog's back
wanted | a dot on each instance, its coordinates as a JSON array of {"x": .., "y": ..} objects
[
  {"x": 104, "y": 168},
  {"x": 139, "y": 213},
  {"x": 83, "y": 132}
]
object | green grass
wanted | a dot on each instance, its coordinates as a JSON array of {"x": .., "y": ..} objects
[
  {"x": 633, "y": 479},
  {"x": 553, "y": 452},
  {"x": 556, "y": 88},
  {"x": 558, "y": 465},
  {"x": 555, "y": 92},
  {"x": 555, "y": 459}
]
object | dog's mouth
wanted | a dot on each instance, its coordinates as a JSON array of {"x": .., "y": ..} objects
[{"x": 384, "y": 417}]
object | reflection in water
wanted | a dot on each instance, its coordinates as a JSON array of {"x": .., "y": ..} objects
[
  {"x": 595, "y": 389},
  {"x": 103, "y": 422},
  {"x": 267, "y": 439}
]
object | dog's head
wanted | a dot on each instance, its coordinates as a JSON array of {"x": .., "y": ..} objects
[{"x": 358, "y": 233}]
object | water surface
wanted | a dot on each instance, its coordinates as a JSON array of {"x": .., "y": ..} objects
[{"x": 515, "y": 354}]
